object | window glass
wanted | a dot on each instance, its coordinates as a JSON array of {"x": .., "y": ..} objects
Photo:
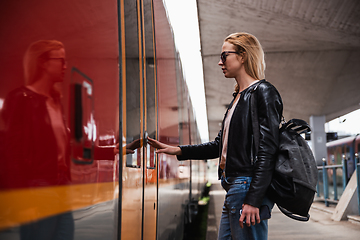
[
  {"x": 133, "y": 118},
  {"x": 150, "y": 85}
]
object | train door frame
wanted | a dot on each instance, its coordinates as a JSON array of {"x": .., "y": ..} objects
[
  {"x": 145, "y": 153},
  {"x": 122, "y": 74}
]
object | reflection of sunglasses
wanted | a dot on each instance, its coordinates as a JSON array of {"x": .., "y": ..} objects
[
  {"x": 224, "y": 55},
  {"x": 62, "y": 60}
]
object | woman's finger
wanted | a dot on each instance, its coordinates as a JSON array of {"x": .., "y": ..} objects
[{"x": 258, "y": 218}]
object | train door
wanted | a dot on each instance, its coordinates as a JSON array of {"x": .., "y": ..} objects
[{"x": 139, "y": 120}]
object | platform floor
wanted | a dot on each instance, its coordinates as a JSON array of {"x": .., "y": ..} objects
[{"x": 320, "y": 225}]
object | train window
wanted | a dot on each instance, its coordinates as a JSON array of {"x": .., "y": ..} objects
[
  {"x": 150, "y": 83},
  {"x": 332, "y": 158},
  {"x": 82, "y": 151},
  {"x": 133, "y": 86},
  {"x": 347, "y": 152}
]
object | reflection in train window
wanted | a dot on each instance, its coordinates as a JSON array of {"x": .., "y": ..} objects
[
  {"x": 150, "y": 83},
  {"x": 83, "y": 123},
  {"x": 133, "y": 78}
]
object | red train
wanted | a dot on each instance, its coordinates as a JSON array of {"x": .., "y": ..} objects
[
  {"x": 113, "y": 78},
  {"x": 345, "y": 147}
]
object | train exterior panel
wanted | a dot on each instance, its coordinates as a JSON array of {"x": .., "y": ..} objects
[{"x": 85, "y": 170}]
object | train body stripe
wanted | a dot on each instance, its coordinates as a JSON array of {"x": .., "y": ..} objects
[{"x": 26, "y": 205}]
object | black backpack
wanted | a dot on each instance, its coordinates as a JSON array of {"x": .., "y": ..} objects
[{"x": 294, "y": 180}]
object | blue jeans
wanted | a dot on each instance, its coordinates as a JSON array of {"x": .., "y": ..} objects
[{"x": 236, "y": 188}]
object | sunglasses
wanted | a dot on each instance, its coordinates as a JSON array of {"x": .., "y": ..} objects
[
  {"x": 63, "y": 61},
  {"x": 225, "y": 54}
]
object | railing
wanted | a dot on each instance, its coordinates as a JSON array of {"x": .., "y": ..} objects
[{"x": 324, "y": 170}]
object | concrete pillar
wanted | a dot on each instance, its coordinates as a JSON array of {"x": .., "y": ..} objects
[{"x": 318, "y": 138}]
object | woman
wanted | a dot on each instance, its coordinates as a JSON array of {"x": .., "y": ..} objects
[
  {"x": 244, "y": 178},
  {"x": 34, "y": 123},
  {"x": 37, "y": 140}
]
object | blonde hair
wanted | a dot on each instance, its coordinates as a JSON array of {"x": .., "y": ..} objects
[
  {"x": 36, "y": 54},
  {"x": 249, "y": 47}
]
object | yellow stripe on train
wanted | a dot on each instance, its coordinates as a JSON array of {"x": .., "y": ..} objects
[{"x": 26, "y": 205}]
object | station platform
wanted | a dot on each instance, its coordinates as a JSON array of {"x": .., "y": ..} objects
[{"x": 320, "y": 225}]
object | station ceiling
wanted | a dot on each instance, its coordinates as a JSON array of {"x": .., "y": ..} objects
[{"x": 312, "y": 53}]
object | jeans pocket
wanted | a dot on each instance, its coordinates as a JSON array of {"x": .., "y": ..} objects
[{"x": 238, "y": 180}]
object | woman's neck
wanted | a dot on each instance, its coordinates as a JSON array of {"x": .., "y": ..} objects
[
  {"x": 43, "y": 86},
  {"x": 244, "y": 81}
]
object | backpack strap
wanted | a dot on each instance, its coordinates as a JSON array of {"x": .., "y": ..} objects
[
  {"x": 297, "y": 125},
  {"x": 294, "y": 216}
]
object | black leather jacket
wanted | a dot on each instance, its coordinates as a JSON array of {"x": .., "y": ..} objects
[
  {"x": 31, "y": 149},
  {"x": 239, "y": 153}
]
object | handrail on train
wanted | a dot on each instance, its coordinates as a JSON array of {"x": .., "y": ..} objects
[{"x": 344, "y": 173}]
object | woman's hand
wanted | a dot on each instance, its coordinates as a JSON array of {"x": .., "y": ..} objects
[
  {"x": 130, "y": 147},
  {"x": 250, "y": 214},
  {"x": 164, "y": 148}
]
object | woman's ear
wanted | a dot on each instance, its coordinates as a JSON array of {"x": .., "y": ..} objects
[{"x": 243, "y": 57}]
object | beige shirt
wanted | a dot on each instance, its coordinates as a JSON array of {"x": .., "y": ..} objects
[
  {"x": 226, "y": 131},
  {"x": 57, "y": 123}
]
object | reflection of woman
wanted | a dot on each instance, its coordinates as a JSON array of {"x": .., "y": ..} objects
[
  {"x": 36, "y": 137},
  {"x": 37, "y": 142},
  {"x": 244, "y": 180}
]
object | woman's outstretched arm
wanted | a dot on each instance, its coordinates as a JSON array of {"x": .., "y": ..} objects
[{"x": 164, "y": 148}]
